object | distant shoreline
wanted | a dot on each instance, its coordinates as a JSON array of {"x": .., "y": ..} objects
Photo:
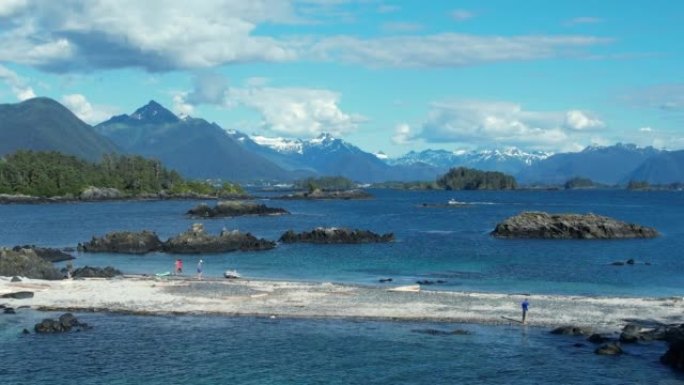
[{"x": 292, "y": 299}]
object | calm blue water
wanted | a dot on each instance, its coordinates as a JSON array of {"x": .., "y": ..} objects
[
  {"x": 450, "y": 244},
  {"x": 221, "y": 350}
]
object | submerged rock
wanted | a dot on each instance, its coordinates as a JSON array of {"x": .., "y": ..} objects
[
  {"x": 233, "y": 209},
  {"x": 609, "y": 349},
  {"x": 674, "y": 357},
  {"x": 65, "y": 323},
  {"x": 196, "y": 240},
  {"x": 569, "y": 226},
  {"x": 124, "y": 242},
  {"x": 335, "y": 235},
  {"x": 572, "y": 330}
]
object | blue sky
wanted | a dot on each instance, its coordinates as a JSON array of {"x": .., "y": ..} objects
[{"x": 385, "y": 75}]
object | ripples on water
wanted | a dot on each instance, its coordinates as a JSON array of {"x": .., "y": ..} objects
[{"x": 219, "y": 350}]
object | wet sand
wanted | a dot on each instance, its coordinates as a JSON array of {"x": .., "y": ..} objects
[{"x": 244, "y": 297}]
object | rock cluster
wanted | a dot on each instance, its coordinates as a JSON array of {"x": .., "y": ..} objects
[
  {"x": 26, "y": 263},
  {"x": 48, "y": 254},
  {"x": 234, "y": 209},
  {"x": 569, "y": 226},
  {"x": 323, "y": 194},
  {"x": 94, "y": 272},
  {"x": 335, "y": 235},
  {"x": 124, "y": 242},
  {"x": 195, "y": 240},
  {"x": 65, "y": 323},
  {"x": 93, "y": 193}
]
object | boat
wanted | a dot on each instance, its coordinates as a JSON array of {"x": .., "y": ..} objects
[
  {"x": 454, "y": 202},
  {"x": 232, "y": 274}
]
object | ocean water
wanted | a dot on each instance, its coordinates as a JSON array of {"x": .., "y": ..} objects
[
  {"x": 435, "y": 243},
  {"x": 451, "y": 244},
  {"x": 123, "y": 349}
]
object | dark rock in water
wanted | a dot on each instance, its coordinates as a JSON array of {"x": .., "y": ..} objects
[
  {"x": 335, "y": 235},
  {"x": 618, "y": 263},
  {"x": 630, "y": 261},
  {"x": 323, "y": 194},
  {"x": 631, "y": 334},
  {"x": 9, "y": 310},
  {"x": 95, "y": 272},
  {"x": 65, "y": 323},
  {"x": 609, "y": 349},
  {"x": 383, "y": 280},
  {"x": 569, "y": 226},
  {"x": 48, "y": 254},
  {"x": 15, "y": 279},
  {"x": 25, "y": 331},
  {"x": 196, "y": 240},
  {"x": 429, "y": 282},
  {"x": 571, "y": 330},
  {"x": 674, "y": 357},
  {"x": 437, "y": 332},
  {"x": 2, "y": 306},
  {"x": 234, "y": 209},
  {"x": 597, "y": 339},
  {"x": 18, "y": 295},
  {"x": 125, "y": 242}
]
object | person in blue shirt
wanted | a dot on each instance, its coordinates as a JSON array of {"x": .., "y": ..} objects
[{"x": 525, "y": 306}]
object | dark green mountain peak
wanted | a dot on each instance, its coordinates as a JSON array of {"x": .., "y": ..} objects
[{"x": 154, "y": 112}]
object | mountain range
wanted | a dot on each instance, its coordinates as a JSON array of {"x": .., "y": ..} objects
[{"x": 200, "y": 149}]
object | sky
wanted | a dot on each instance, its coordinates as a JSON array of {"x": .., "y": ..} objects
[{"x": 391, "y": 76}]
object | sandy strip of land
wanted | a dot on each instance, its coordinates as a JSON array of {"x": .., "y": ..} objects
[{"x": 145, "y": 295}]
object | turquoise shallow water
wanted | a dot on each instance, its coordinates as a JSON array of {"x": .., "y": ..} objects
[
  {"x": 216, "y": 350},
  {"x": 449, "y": 244}
]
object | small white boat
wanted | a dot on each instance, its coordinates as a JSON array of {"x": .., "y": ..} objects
[
  {"x": 455, "y": 202},
  {"x": 232, "y": 274}
]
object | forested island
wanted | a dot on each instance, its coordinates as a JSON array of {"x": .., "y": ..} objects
[{"x": 53, "y": 174}]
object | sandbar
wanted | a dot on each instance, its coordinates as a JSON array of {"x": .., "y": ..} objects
[{"x": 292, "y": 299}]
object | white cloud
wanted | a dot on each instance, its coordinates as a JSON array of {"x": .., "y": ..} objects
[
  {"x": 461, "y": 15},
  {"x": 580, "y": 120},
  {"x": 481, "y": 123},
  {"x": 9, "y": 7},
  {"x": 208, "y": 88},
  {"x": 402, "y": 134},
  {"x": 18, "y": 86},
  {"x": 646, "y": 129},
  {"x": 81, "y": 107},
  {"x": 448, "y": 49},
  {"x": 154, "y": 34},
  {"x": 296, "y": 112},
  {"x": 180, "y": 105},
  {"x": 388, "y": 8},
  {"x": 164, "y": 35}
]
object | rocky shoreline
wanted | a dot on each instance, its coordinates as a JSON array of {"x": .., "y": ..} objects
[
  {"x": 30, "y": 199},
  {"x": 318, "y": 194}
]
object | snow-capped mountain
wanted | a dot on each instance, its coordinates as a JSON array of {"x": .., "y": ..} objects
[{"x": 509, "y": 160}]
